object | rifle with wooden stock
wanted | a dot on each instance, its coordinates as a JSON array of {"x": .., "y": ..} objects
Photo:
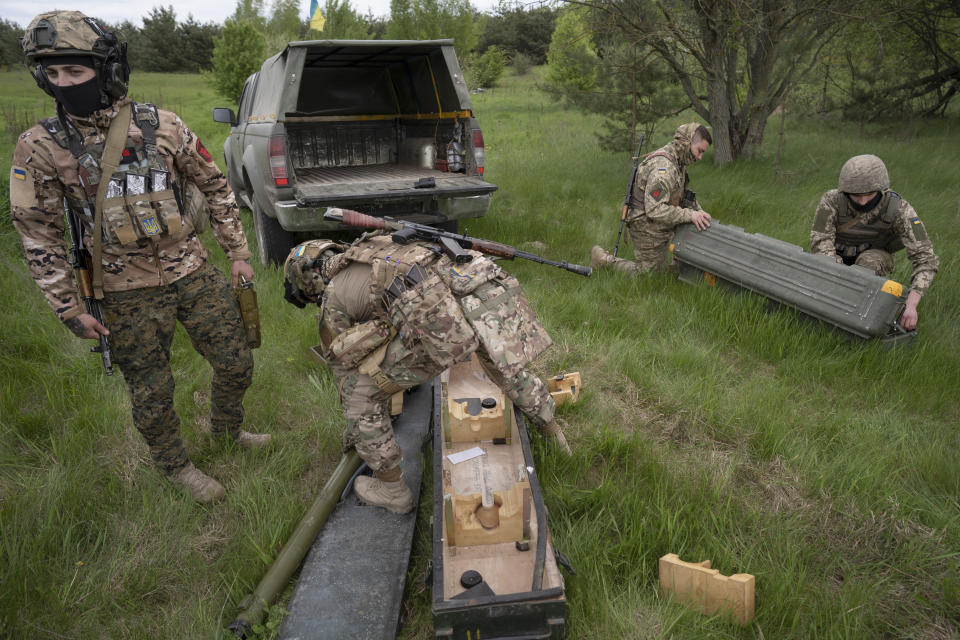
[{"x": 452, "y": 244}]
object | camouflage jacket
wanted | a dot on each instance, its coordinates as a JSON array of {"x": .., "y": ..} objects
[
  {"x": 447, "y": 308},
  {"x": 905, "y": 227},
  {"x": 658, "y": 189},
  {"x": 42, "y": 174}
]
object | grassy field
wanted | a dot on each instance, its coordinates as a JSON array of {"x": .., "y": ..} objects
[{"x": 709, "y": 426}]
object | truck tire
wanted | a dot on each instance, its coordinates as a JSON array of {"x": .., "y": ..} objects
[{"x": 273, "y": 241}]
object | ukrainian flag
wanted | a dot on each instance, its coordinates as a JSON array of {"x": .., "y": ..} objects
[{"x": 316, "y": 18}]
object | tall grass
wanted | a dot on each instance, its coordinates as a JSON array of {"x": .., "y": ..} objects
[{"x": 710, "y": 426}]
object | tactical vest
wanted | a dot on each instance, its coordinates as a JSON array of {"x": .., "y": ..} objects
[
  {"x": 142, "y": 200},
  {"x": 387, "y": 260},
  {"x": 878, "y": 234},
  {"x": 637, "y": 200}
]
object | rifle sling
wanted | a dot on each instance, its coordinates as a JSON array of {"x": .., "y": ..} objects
[
  {"x": 116, "y": 137},
  {"x": 850, "y": 224}
]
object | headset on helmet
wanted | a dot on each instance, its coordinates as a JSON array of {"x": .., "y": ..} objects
[{"x": 70, "y": 33}]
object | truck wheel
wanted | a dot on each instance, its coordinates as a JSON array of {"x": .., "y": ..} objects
[{"x": 273, "y": 241}]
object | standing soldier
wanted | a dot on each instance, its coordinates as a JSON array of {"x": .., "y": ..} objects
[
  {"x": 660, "y": 201},
  {"x": 394, "y": 316},
  {"x": 120, "y": 170},
  {"x": 863, "y": 222}
]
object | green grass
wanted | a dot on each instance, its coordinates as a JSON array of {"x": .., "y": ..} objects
[{"x": 709, "y": 426}]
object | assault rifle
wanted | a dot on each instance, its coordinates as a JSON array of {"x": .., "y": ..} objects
[
  {"x": 453, "y": 244},
  {"x": 80, "y": 261},
  {"x": 626, "y": 198}
]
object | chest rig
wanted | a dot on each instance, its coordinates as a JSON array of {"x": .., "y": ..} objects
[
  {"x": 142, "y": 200},
  {"x": 387, "y": 261},
  {"x": 861, "y": 235}
]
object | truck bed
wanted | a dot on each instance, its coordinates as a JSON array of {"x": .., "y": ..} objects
[{"x": 321, "y": 184}]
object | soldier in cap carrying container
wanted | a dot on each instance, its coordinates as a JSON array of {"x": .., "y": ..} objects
[
  {"x": 127, "y": 192},
  {"x": 864, "y": 222},
  {"x": 660, "y": 201},
  {"x": 394, "y": 316}
]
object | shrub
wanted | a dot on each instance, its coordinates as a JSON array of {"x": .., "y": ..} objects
[
  {"x": 237, "y": 53},
  {"x": 489, "y": 67}
]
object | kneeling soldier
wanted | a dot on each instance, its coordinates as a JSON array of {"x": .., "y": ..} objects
[
  {"x": 864, "y": 222},
  {"x": 394, "y": 316}
]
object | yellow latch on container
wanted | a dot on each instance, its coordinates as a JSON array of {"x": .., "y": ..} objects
[{"x": 892, "y": 287}]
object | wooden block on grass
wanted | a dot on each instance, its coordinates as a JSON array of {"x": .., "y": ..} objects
[
  {"x": 698, "y": 586},
  {"x": 565, "y": 387}
]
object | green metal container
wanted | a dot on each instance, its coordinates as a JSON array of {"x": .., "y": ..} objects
[{"x": 850, "y": 298}]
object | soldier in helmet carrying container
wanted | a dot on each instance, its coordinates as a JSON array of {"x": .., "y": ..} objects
[
  {"x": 121, "y": 171},
  {"x": 864, "y": 222}
]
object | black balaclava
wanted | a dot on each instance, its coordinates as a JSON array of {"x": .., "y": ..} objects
[
  {"x": 80, "y": 99},
  {"x": 863, "y": 208}
]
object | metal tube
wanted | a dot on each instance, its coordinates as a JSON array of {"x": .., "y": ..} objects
[{"x": 293, "y": 552}]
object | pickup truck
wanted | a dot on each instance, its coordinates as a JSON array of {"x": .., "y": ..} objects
[{"x": 383, "y": 127}]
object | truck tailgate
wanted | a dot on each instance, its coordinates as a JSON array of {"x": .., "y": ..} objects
[{"x": 342, "y": 184}]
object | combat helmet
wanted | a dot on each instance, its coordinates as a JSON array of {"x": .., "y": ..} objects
[
  {"x": 863, "y": 174},
  {"x": 307, "y": 270},
  {"x": 70, "y": 33}
]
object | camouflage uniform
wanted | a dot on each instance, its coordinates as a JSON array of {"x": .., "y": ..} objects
[
  {"x": 440, "y": 316},
  {"x": 148, "y": 285},
  {"x": 655, "y": 208},
  {"x": 870, "y": 238}
]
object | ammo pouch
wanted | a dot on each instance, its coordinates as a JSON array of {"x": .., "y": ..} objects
[
  {"x": 246, "y": 298},
  {"x": 142, "y": 213},
  {"x": 466, "y": 277},
  {"x": 350, "y": 347},
  {"x": 424, "y": 312},
  {"x": 503, "y": 321}
]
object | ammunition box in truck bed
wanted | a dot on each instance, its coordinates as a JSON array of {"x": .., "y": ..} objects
[{"x": 383, "y": 127}]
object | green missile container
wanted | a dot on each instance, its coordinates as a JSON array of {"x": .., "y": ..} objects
[{"x": 851, "y": 298}]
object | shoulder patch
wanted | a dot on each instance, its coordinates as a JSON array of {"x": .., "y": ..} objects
[
  {"x": 22, "y": 190},
  {"x": 202, "y": 150}
]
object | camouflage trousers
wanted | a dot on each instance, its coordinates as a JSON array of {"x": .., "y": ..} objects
[
  {"x": 877, "y": 260},
  {"x": 651, "y": 244},
  {"x": 141, "y": 324},
  {"x": 366, "y": 406}
]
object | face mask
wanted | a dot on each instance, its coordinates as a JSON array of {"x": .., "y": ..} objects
[
  {"x": 80, "y": 99},
  {"x": 874, "y": 201}
]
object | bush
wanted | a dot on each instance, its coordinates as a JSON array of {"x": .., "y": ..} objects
[
  {"x": 489, "y": 67},
  {"x": 521, "y": 63},
  {"x": 238, "y": 53}
]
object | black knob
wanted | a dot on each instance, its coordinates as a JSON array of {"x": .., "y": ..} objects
[
  {"x": 470, "y": 578},
  {"x": 488, "y": 403}
]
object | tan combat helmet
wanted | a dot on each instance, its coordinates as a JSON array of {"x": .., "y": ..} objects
[
  {"x": 863, "y": 174},
  {"x": 304, "y": 275},
  {"x": 70, "y": 33}
]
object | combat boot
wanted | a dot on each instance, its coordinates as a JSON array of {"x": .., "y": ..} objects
[
  {"x": 552, "y": 431},
  {"x": 387, "y": 490},
  {"x": 249, "y": 440},
  {"x": 599, "y": 257},
  {"x": 202, "y": 487}
]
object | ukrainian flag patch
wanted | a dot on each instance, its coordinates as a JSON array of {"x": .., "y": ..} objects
[
  {"x": 915, "y": 221},
  {"x": 460, "y": 274},
  {"x": 299, "y": 251},
  {"x": 19, "y": 173}
]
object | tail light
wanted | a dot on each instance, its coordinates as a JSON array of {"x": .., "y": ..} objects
[
  {"x": 278, "y": 160},
  {"x": 478, "y": 154}
]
